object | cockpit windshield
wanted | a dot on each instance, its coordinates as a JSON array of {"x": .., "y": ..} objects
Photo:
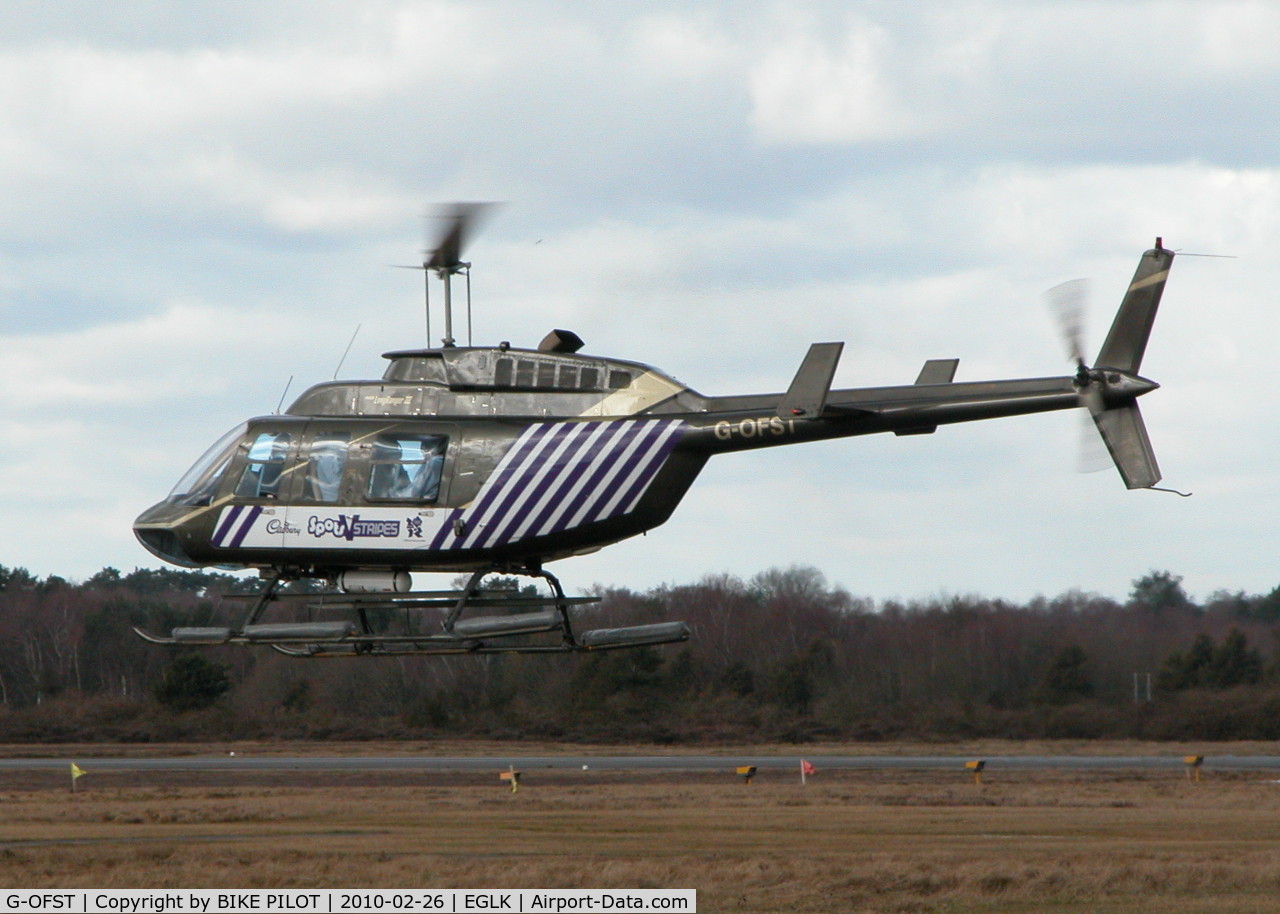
[{"x": 197, "y": 485}]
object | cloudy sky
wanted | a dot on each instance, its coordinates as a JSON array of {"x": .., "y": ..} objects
[{"x": 200, "y": 201}]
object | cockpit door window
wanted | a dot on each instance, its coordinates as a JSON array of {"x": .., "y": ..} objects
[
  {"x": 326, "y": 463},
  {"x": 264, "y": 466},
  {"x": 406, "y": 467}
]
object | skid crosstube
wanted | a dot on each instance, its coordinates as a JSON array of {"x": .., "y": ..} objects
[{"x": 514, "y": 617}]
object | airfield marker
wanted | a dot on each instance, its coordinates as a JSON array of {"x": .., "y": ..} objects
[
  {"x": 976, "y": 767},
  {"x": 76, "y": 773},
  {"x": 805, "y": 770}
]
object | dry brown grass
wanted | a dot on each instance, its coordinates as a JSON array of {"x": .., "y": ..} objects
[{"x": 849, "y": 841}]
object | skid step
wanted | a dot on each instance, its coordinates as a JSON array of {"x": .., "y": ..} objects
[
  {"x": 518, "y": 624},
  {"x": 658, "y": 633}
]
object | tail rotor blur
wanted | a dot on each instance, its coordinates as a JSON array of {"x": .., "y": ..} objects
[{"x": 1109, "y": 390}]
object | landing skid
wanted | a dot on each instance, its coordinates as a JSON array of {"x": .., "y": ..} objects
[{"x": 519, "y": 624}]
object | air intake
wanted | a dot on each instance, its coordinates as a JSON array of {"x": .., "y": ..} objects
[{"x": 561, "y": 341}]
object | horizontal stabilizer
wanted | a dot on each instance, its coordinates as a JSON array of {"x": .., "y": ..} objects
[
  {"x": 807, "y": 395},
  {"x": 1125, "y": 435}
]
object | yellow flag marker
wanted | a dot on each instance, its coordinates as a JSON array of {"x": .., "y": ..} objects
[
  {"x": 511, "y": 775},
  {"x": 76, "y": 772},
  {"x": 976, "y": 767}
]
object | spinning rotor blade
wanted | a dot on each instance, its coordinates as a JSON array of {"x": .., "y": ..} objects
[
  {"x": 460, "y": 221},
  {"x": 1067, "y": 301}
]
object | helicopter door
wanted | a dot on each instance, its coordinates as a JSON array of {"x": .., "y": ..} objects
[
  {"x": 263, "y": 481},
  {"x": 406, "y": 466},
  {"x": 369, "y": 487},
  {"x": 326, "y": 483}
]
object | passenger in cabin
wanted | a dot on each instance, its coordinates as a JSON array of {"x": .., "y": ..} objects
[
  {"x": 407, "y": 468},
  {"x": 325, "y": 465}
]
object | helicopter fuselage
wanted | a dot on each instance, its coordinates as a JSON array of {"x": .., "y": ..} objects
[
  {"x": 417, "y": 474},
  {"x": 490, "y": 457}
]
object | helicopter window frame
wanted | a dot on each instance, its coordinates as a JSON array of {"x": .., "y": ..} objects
[
  {"x": 264, "y": 472},
  {"x": 419, "y": 368},
  {"x": 392, "y": 461},
  {"x": 324, "y": 467},
  {"x": 539, "y": 374},
  {"x": 199, "y": 484},
  {"x": 568, "y": 377}
]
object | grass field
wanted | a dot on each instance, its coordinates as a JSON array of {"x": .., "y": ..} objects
[{"x": 847, "y": 841}]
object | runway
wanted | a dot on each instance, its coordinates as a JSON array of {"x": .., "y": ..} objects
[{"x": 249, "y": 763}]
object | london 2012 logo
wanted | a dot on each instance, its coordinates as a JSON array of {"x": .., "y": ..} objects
[{"x": 349, "y": 527}]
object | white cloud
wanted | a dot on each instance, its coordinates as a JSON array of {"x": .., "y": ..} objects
[{"x": 809, "y": 90}]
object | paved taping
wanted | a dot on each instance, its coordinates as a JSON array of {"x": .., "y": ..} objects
[{"x": 633, "y": 762}]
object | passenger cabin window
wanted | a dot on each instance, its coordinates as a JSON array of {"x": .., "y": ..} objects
[
  {"x": 415, "y": 368},
  {"x": 546, "y": 374},
  {"x": 264, "y": 468},
  {"x": 406, "y": 467},
  {"x": 326, "y": 462}
]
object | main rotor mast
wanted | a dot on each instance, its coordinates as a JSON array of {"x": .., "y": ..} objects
[{"x": 445, "y": 260}]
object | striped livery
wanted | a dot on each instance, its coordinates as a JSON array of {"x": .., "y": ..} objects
[
  {"x": 561, "y": 475},
  {"x": 556, "y": 476}
]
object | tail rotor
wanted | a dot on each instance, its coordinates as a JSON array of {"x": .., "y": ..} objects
[{"x": 1109, "y": 390}]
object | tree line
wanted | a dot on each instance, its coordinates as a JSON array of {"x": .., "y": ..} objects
[{"x": 783, "y": 655}]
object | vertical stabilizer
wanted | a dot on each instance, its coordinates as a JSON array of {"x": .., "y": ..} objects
[
  {"x": 1125, "y": 435},
  {"x": 1127, "y": 341}
]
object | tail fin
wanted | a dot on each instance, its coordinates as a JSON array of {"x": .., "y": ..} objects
[
  {"x": 1112, "y": 400},
  {"x": 1125, "y": 436},
  {"x": 1127, "y": 341}
]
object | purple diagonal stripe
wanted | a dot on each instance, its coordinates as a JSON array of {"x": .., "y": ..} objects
[
  {"x": 223, "y": 528},
  {"x": 254, "y": 513},
  {"x": 565, "y": 498},
  {"x": 507, "y": 490},
  {"x": 567, "y": 453},
  {"x": 609, "y": 494},
  {"x": 633, "y": 494},
  {"x": 618, "y": 448},
  {"x": 492, "y": 487},
  {"x": 437, "y": 542}
]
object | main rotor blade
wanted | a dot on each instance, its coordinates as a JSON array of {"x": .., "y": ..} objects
[{"x": 460, "y": 222}]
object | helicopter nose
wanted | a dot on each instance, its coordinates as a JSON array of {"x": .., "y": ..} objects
[{"x": 155, "y": 531}]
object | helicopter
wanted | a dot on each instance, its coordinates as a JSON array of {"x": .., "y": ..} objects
[{"x": 497, "y": 460}]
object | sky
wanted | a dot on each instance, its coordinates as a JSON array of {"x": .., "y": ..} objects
[{"x": 200, "y": 204}]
